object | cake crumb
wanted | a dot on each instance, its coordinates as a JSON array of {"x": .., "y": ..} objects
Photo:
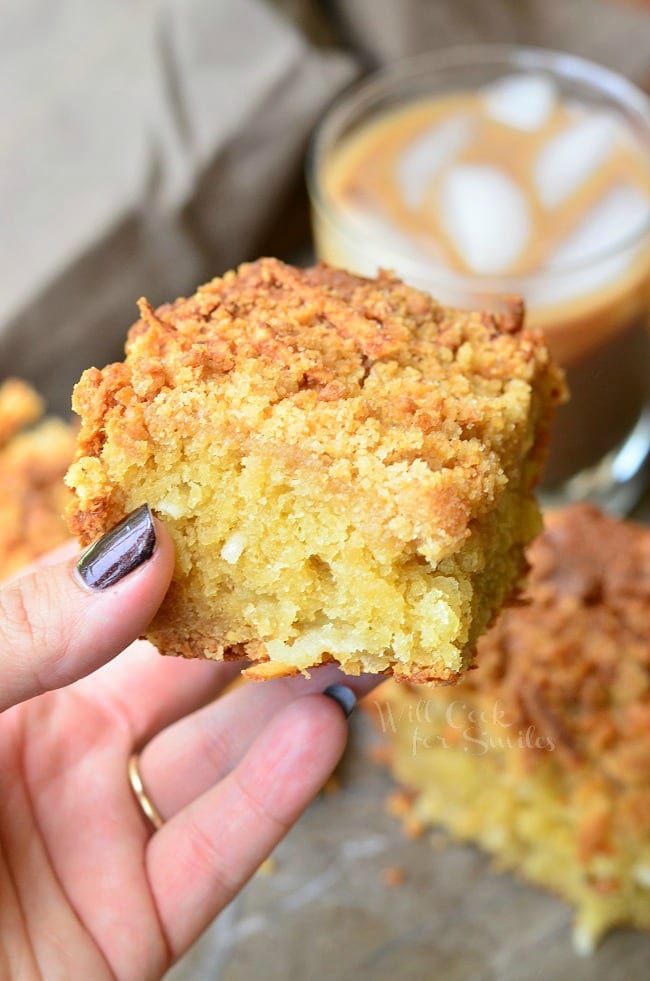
[
  {"x": 379, "y": 754},
  {"x": 413, "y": 827},
  {"x": 393, "y": 876},
  {"x": 398, "y": 803},
  {"x": 332, "y": 785},
  {"x": 268, "y": 867}
]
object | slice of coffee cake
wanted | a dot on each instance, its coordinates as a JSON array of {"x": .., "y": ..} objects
[
  {"x": 346, "y": 467},
  {"x": 33, "y": 462},
  {"x": 542, "y": 754}
]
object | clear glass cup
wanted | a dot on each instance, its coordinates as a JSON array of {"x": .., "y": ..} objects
[{"x": 600, "y": 447}]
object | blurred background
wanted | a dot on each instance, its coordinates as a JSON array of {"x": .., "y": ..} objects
[{"x": 148, "y": 145}]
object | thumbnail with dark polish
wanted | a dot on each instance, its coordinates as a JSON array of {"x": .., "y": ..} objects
[
  {"x": 119, "y": 551},
  {"x": 344, "y": 697}
]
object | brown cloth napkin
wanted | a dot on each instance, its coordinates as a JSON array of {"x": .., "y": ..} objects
[
  {"x": 146, "y": 147},
  {"x": 615, "y": 33},
  {"x": 143, "y": 148}
]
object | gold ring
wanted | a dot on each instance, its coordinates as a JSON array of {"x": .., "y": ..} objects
[{"x": 149, "y": 809}]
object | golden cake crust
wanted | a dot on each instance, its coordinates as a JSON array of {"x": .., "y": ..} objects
[{"x": 426, "y": 412}]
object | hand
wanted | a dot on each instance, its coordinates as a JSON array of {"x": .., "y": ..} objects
[{"x": 87, "y": 889}]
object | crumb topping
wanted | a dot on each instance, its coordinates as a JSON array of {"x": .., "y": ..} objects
[
  {"x": 339, "y": 367},
  {"x": 575, "y": 661}
]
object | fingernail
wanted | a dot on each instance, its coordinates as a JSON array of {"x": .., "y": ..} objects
[
  {"x": 119, "y": 551},
  {"x": 344, "y": 696}
]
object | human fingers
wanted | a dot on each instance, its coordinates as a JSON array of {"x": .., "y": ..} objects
[
  {"x": 184, "y": 760},
  {"x": 203, "y": 856},
  {"x": 60, "y": 623},
  {"x": 154, "y": 691},
  {"x": 53, "y": 557}
]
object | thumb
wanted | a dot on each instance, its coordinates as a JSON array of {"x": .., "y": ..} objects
[{"x": 60, "y": 623}]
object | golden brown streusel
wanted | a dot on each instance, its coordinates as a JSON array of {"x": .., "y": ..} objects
[{"x": 345, "y": 467}]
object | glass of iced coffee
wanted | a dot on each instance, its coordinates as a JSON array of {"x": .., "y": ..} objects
[{"x": 483, "y": 173}]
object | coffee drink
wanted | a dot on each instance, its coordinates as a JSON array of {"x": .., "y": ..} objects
[{"x": 514, "y": 187}]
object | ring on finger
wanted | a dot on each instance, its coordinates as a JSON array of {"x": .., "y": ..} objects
[{"x": 148, "y": 808}]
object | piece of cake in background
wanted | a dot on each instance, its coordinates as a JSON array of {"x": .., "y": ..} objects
[
  {"x": 542, "y": 754},
  {"x": 346, "y": 468},
  {"x": 34, "y": 456}
]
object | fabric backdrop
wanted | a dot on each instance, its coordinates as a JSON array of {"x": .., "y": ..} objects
[{"x": 146, "y": 145}]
